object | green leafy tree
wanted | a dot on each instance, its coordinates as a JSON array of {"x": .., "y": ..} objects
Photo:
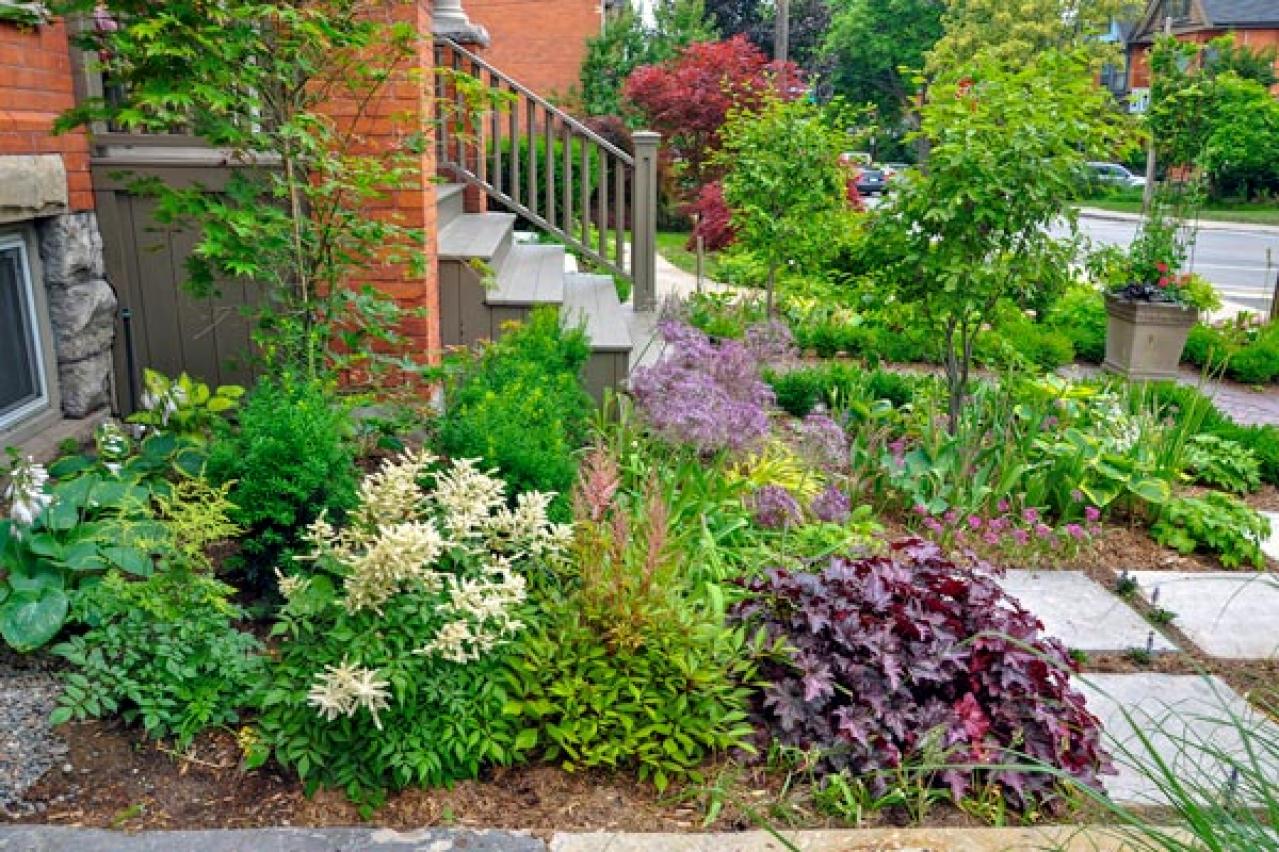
[
  {"x": 1007, "y": 149},
  {"x": 264, "y": 81},
  {"x": 1241, "y": 152},
  {"x": 879, "y": 48},
  {"x": 1014, "y": 31},
  {"x": 784, "y": 184}
]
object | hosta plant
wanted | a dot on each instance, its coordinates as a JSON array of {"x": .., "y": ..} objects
[
  {"x": 183, "y": 405},
  {"x": 890, "y": 652},
  {"x": 395, "y": 626},
  {"x": 1214, "y": 523}
]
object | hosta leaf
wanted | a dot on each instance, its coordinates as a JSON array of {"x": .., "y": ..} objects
[
  {"x": 30, "y": 619},
  {"x": 130, "y": 560}
]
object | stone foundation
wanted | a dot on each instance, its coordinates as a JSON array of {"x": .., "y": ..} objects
[{"x": 82, "y": 309}]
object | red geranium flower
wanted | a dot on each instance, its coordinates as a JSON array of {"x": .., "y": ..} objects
[
  {"x": 1163, "y": 282},
  {"x": 1161, "y": 266}
]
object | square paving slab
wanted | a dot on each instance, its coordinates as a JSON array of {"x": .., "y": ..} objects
[
  {"x": 1270, "y": 546},
  {"x": 1232, "y": 615},
  {"x": 1196, "y": 725},
  {"x": 1081, "y": 612}
]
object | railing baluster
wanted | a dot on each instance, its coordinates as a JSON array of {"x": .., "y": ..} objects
[
  {"x": 477, "y": 128},
  {"x": 495, "y": 133},
  {"x": 515, "y": 148},
  {"x": 584, "y": 158},
  {"x": 530, "y": 125},
  {"x": 602, "y": 202},
  {"x": 566, "y": 161},
  {"x": 619, "y": 213},
  {"x": 550, "y": 168},
  {"x": 441, "y": 136},
  {"x": 459, "y": 112}
]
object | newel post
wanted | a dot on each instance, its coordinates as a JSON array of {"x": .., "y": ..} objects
[{"x": 644, "y": 221}]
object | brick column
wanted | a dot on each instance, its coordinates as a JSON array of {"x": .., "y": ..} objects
[{"x": 401, "y": 110}]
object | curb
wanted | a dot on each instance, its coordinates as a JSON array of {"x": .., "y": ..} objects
[{"x": 1204, "y": 224}]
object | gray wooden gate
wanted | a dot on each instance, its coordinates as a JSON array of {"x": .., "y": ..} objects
[{"x": 160, "y": 325}]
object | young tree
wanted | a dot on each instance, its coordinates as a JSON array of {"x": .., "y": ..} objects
[
  {"x": 688, "y": 98},
  {"x": 1015, "y": 31},
  {"x": 1007, "y": 149},
  {"x": 266, "y": 80},
  {"x": 784, "y": 184}
]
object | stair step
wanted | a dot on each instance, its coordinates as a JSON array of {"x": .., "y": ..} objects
[
  {"x": 478, "y": 236},
  {"x": 530, "y": 275},
  {"x": 591, "y": 300},
  {"x": 449, "y": 203}
]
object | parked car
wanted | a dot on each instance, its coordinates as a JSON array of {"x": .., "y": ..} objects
[
  {"x": 1113, "y": 174},
  {"x": 871, "y": 181},
  {"x": 892, "y": 170}
]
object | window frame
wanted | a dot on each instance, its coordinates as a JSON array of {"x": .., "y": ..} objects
[{"x": 30, "y": 291}]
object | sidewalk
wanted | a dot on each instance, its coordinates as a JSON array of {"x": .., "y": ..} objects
[{"x": 1203, "y": 224}]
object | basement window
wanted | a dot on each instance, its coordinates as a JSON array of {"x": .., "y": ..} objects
[{"x": 24, "y": 384}]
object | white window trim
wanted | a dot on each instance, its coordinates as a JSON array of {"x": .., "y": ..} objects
[{"x": 27, "y": 293}]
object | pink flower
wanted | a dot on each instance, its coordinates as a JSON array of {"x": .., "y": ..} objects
[
  {"x": 920, "y": 509},
  {"x": 991, "y": 537},
  {"x": 1075, "y": 531},
  {"x": 1092, "y": 514},
  {"x": 1002, "y": 505},
  {"x": 998, "y": 524},
  {"x": 1030, "y": 516},
  {"x": 1161, "y": 266},
  {"x": 951, "y": 516},
  {"x": 1043, "y": 530},
  {"x": 1020, "y": 536},
  {"x": 974, "y": 522},
  {"x": 1163, "y": 281},
  {"x": 933, "y": 524}
]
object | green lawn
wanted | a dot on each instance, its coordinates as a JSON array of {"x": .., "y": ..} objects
[
  {"x": 1253, "y": 214},
  {"x": 670, "y": 244}
]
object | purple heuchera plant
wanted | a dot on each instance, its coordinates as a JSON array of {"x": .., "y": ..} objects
[
  {"x": 832, "y": 506},
  {"x": 704, "y": 394},
  {"x": 774, "y": 508},
  {"x": 891, "y": 649}
]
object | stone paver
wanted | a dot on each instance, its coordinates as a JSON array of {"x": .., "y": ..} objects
[
  {"x": 1081, "y": 612},
  {"x": 44, "y": 838},
  {"x": 1231, "y": 615},
  {"x": 1189, "y": 722},
  {"x": 1270, "y": 546}
]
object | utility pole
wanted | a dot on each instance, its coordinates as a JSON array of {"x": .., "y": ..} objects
[
  {"x": 1148, "y": 193},
  {"x": 781, "y": 36}
]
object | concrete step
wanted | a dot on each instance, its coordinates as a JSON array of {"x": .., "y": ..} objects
[
  {"x": 531, "y": 275},
  {"x": 448, "y": 203},
  {"x": 485, "y": 237},
  {"x": 591, "y": 301}
]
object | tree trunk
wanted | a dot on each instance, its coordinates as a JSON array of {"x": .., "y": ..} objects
[{"x": 768, "y": 293}]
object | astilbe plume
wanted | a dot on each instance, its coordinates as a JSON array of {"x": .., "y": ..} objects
[
  {"x": 703, "y": 394},
  {"x": 598, "y": 481},
  {"x": 890, "y": 652}
]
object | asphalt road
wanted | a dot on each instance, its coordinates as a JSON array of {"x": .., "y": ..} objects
[{"x": 1235, "y": 260}]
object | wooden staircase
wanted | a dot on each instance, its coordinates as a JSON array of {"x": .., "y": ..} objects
[{"x": 489, "y": 278}]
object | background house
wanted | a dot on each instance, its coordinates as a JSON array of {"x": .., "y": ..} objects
[{"x": 1254, "y": 23}]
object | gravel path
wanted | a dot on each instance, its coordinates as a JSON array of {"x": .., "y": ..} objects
[{"x": 28, "y": 748}]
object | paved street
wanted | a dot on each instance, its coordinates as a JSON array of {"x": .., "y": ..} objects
[{"x": 1235, "y": 260}]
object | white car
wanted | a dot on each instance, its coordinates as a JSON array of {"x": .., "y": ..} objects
[{"x": 1113, "y": 174}]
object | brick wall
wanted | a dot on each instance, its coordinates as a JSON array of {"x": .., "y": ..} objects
[
  {"x": 401, "y": 109},
  {"x": 1139, "y": 74},
  {"x": 36, "y": 85},
  {"x": 541, "y": 43}
]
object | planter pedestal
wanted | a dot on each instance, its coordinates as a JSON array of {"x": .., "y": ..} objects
[{"x": 1144, "y": 339}]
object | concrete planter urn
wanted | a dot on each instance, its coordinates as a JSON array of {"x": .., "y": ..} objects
[{"x": 1144, "y": 339}]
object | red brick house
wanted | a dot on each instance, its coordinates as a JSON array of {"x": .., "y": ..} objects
[
  {"x": 90, "y": 289},
  {"x": 1253, "y": 23},
  {"x": 541, "y": 43}
]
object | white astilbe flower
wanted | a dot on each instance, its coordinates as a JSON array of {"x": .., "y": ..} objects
[
  {"x": 392, "y": 494},
  {"x": 387, "y": 563},
  {"x": 484, "y": 608},
  {"x": 468, "y": 497},
  {"x": 527, "y": 528},
  {"x": 26, "y": 491},
  {"x": 343, "y": 689},
  {"x": 291, "y": 585}
]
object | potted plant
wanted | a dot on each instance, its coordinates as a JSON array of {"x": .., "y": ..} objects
[{"x": 1151, "y": 306}]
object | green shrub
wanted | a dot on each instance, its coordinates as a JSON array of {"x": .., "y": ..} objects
[
  {"x": 1215, "y": 523},
  {"x": 624, "y": 671},
  {"x": 799, "y": 391},
  {"x": 1080, "y": 314},
  {"x": 1222, "y": 463},
  {"x": 161, "y": 651},
  {"x": 1263, "y": 440},
  {"x": 1025, "y": 343},
  {"x": 1257, "y": 363},
  {"x": 390, "y": 645},
  {"x": 520, "y": 406},
  {"x": 290, "y": 459}
]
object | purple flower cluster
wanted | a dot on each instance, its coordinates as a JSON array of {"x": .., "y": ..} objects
[
  {"x": 1023, "y": 534},
  {"x": 774, "y": 508},
  {"x": 822, "y": 442},
  {"x": 703, "y": 394},
  {"x": 832, "y": 506},
  {"x": 770, "y": 341}
]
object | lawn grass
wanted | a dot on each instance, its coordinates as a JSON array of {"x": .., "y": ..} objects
[
  {"x": 1251, "y": 214},
  {"x": 671, "y": 245}
]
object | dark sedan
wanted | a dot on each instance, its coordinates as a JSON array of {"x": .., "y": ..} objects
[{"x": 871, "y": 181}]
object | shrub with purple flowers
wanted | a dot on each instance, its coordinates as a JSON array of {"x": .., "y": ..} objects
[
  {"x": 774, "y": 508},
  {"x": 705, "y": 395},
  {"x": 890, "y": 652}
]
